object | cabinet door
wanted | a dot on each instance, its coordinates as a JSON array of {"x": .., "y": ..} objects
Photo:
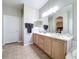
[
  {"x": 33, "y": 38},
  {"x": 58, "y": 49},
  {"x": 36, "y": 39},
  {"x": 47, "y": 45},
  {"x": 41, "y": 42}
]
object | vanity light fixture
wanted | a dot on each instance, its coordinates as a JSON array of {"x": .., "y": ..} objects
[{"x": 50, "y": 11}]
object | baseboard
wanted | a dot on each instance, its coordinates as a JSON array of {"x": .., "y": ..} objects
[
  {"x": 19, "y": 41},
  {"x": 27, "y": 44},
  {"x": 11, "y": 42}
]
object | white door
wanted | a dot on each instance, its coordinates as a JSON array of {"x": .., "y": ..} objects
[{"x": 10, "y": 29}]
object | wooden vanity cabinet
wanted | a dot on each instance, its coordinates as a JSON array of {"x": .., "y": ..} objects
[
  {"x": 55, "y": 48},
  {"x": 38, "y": 40},
  {"x": 58, "y": 51}
]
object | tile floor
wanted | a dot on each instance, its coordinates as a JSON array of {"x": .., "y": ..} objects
[{"x": 18, "y": 51}]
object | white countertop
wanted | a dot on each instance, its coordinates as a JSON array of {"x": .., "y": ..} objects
[{"x": 66, "y": 37}]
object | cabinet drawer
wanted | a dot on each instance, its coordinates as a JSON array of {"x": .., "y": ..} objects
[{"x": 34, "y": 38}]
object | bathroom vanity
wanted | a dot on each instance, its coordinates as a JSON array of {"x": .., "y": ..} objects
[{"x": 55, "y": 45}]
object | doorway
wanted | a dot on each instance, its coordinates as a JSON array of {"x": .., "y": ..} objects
[{"x": 10, "y": 29}]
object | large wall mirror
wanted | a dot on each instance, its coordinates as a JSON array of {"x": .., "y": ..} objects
[{"x": 62, "y": 20}]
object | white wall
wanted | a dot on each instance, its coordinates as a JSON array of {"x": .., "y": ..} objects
[
  {"x": 11, "y": 11},
  {"x": 70, "y": 20},
  {"x": 30, "y": 15}
]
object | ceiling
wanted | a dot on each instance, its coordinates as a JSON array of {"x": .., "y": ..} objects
[{"x": 18, "y": 3}]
